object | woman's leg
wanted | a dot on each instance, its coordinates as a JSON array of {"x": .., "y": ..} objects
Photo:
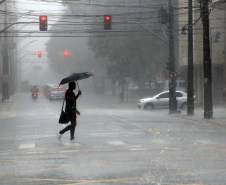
[{"x": 73, "y": 125}]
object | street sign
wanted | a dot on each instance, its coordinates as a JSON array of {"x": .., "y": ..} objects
[
  {"x": 127, "y": 79},
  {"x": 173, "y": 75}
]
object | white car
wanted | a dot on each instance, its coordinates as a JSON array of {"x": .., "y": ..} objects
[
  {"x": 56, "y": 92},
  {"x": 161, "y": 100}
]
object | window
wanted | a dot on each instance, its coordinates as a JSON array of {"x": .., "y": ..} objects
[
  {"x": 57, "y": 89},
  {"x": 178, "y": 94},
  {"x": 164, "y": 95}
]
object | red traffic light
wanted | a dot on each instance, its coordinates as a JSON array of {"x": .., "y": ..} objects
[
  {"x": 66, "y": 53},
  {"x": 43, "y": 23},
  {"x": 107, "y": 17},
  {"x": 39, "y": 54},
  {"x": 43, "y": 18},
  {"x": 107, "y": 22}
]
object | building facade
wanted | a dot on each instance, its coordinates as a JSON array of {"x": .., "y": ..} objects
[{"x": 217, "y": 49}]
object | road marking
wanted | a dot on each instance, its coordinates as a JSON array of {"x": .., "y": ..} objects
[
  {"x": 118, "y": 117},
  {"x": 105, "y": 134},
  {"x": 27, "y": 146},
  {"x": 117, "y": 143},
  {"x": 160, "y": 141},
  {"x": 137, "y": 149},
  {"x": 71, "y": 144},
  {"x": 31, "y": 114},
  {"x": 205, "y": 142},
  {"x": 35, "y": 152},
  {"x": 71, "y": 151}
]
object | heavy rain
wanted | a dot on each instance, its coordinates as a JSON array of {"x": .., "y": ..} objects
[{"x": 142, "y": 85}]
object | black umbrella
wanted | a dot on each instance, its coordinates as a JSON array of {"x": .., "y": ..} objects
[{"x": 75, "y": 77}]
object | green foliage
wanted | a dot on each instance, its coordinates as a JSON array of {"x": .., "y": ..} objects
[{"x": 139, "y": 57}]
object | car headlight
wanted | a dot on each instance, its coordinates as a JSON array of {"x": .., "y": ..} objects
[{"x": 141, "y": 101}]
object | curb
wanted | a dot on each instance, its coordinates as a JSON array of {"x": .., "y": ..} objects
[
  {"x": 219, "y": 122},
  {"x": 6, "y": 106}
]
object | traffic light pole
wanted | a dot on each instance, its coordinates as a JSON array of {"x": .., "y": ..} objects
[
  {"x": 190, "y": 97},
  {"x": 172, "y": 81},
  {"x": 207, "y": 66},
  {"x": 5, "y": 84}
]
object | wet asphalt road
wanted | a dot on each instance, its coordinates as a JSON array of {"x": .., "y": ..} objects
[{"x": 115, "y": 145}]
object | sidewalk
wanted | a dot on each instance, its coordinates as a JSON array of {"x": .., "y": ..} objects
[
  {"x": 219, "y": 116},
  {"x": 6, "y": 105}
]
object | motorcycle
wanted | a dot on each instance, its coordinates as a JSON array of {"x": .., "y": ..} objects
[{"x": 34, "y": 95}]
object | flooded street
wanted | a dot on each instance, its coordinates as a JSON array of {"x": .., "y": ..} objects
[{"x": 115, "y": 145}]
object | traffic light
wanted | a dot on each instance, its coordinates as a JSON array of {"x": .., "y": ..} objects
[
  {"x": 167, "y": 64},
  {"x": 39, "y": 54},
  {"x": 107, "y": 22},
  {"x": 43, "y": 23},
  {"x": 164, "y": 16},
  {"x": 66, "y": 53}
]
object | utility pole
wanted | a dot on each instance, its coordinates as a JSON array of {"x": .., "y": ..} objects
[
  {"x": 172, "y": 80},
  {"x": 190, "y": 97},
  {"x": 208, "y": 104},
  {"x": 5, "y": 85}
]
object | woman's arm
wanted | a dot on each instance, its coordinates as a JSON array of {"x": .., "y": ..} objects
[
  {"x": 77, "y": 112},
  {"x": 76, "y": 97}
]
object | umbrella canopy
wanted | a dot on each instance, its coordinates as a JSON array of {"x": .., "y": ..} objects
[{"x": 75, "y": 77}]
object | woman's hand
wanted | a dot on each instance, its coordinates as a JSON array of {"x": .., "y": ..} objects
[{"x": 79, "y": 92}]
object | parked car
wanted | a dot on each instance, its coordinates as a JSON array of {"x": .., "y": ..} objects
[
  {"x": 161, "y": 100},
  {"x": 56, "y": 92}
]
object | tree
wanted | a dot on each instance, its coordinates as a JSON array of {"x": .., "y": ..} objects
[{"x": 138, "y": 57}]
